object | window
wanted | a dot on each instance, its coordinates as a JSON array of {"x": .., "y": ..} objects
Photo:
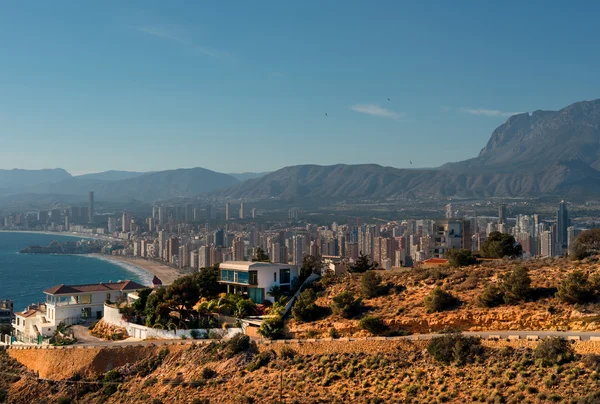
[
  {"x": 284, "y": 275},
  {"x": 274, "y": 276},
  {"x": 108, "y": 297},
  {"x": 85, "y": 299},
  {"x": 253, "y": 278}
]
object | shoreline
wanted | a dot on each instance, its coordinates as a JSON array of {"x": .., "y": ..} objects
[
  {"x": 61, "y": 233},
  {"x": 165, "y": 273}
]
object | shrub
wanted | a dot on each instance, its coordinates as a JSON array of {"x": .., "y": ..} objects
[
  {"x": 455, "y": 348},
  {"x": 460, "y": 258},
  {"x": 287, "y": 353},
  {"x": 373, "y": 324},
  {"x": 591, "y": 362},
  {"x": 554, "y": 351},
  {"x": 305, "y": 309},
  {"x": 585, "y": 244},
  {"x": 490, "y": 297},
  {"x": 208, "y": 373},
  {"x": 439, "y": 300},
  {"x": 238, "y": 343},
  {"x": 516, "y": 285},
  {"x": 272, "y": 328},
  {"x": 500, "y": 245},
  {"x": 333, "y": 333},
  {"x": 346, "y": 305},
  {"x": 260, "y": 360},
  {"x": 576, "y": 288},
  {"x": 370, "y": 284},
  {"x": 64, "y": 400},
  {"x": 195, "y": 334}
]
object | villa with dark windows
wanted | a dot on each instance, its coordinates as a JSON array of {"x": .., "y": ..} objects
[{"x": 254, "y": 279}]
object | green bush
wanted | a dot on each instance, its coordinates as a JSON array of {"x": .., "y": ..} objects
[
  {"x": 370, "y": 284},
  {"x": 238, "y": 343},
  {"x": 346, "y": 305},
  {"x": 272, "y": 328},
  {"x": 195, "y": 334},
  {"x": 208, "y": 373},
  {"x": 516, "y": 286},
  {"x": 64, "y": 400},
  {"x": 554, "y": 351},
  {"x": 490, "y": 297},
  {"x": 260, "y": 360},
  {"x": 373, "y": 324},
  {"x": 460, "y": 258},
  {"x": 305, "y": 309},
  {"x": 287, "y": 353},
  {"x": 576, "y": 288},
  {"x": 440, "y": 300},
  {"x": 585, "y": 244},
  {"x": 333, "y": 333},
  {"x": 455, "y": 348}
]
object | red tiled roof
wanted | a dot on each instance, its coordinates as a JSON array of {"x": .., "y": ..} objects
[
  {"x": 99, "y": 287},
  {"x": 28, "y": 313}
]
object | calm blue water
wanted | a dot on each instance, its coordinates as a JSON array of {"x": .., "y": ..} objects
[{"x": 24, "y": 276}]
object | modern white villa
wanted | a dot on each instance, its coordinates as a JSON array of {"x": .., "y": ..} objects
[
  {"x": 69, "y": 304},
  {"x": 254, "y": 279}
]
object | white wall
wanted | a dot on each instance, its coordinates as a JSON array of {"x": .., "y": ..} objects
[{"x": 112, "y": 316}]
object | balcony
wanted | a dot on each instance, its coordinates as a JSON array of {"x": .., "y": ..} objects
[{"x": 239, "y": 277}]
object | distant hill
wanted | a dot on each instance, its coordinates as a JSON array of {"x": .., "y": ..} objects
[
  {"x": 18, "y": 178},
  {"x": 147, "y": 187},
  {"x": 111, "y": 175},
  {"x": 545, "y": 153},
  {"x": 248, "y": 176}
]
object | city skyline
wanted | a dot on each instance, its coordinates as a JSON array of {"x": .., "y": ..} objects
[{"x": 437, "y": 78}]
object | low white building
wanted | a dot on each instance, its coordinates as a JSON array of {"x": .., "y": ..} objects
[
  {"x": 255, "y": 279},
  {"x": 71, "y": 304},
  {"x": 31, "y": 324}
]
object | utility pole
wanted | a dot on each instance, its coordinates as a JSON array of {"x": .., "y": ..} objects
[{"x": 281, "y": 384}]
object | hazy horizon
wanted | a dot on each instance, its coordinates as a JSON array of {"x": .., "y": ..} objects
[{"x": 252, "y": 88}]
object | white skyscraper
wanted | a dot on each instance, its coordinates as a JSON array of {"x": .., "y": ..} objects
[{"x": 298, "y": 250}]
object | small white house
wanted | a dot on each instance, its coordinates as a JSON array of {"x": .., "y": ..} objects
[
  {"x": 68, "y": 304},
  {"x": 77, "y": 303},
  {"x": 255, "y": 279},
  {"x": 31, "y": 323}
]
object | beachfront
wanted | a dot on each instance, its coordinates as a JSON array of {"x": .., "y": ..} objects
[{"x": 164, "y": 272}]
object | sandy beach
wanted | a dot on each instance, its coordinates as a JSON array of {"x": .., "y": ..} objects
[{"x": 165, "y": 273}]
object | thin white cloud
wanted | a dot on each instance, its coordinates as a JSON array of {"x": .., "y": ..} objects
[
  {"x": 165, "y": 33},
  {"x": 487, "y": 112},
  {"x": 376, "y": 110}
]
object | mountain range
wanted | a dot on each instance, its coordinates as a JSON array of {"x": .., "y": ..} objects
[{"x": 543, "y": 153}]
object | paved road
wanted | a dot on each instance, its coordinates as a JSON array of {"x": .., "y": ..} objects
[{"x": 576, "y": 335}]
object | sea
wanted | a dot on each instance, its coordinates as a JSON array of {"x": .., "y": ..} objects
[{"x": 23, "y": 277}]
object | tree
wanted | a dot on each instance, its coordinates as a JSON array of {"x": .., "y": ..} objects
[
  {"x": 362, "y": 264},
  {"x": 460, "y": 258},
  {"x": 439, "y": 300},
  {"x": 140, "y": 304},
  {"x": 370, "y": 284},
  {"x": 207, "y": 280},
  {"x": 500, "y": 245},
  {"x": 576, "y": 288},
  {"x": 491, "y": 296},
  {"x": 346, "y": 305},
  {"x": 182, "y": 295},
  {"x": 276, "y": 292},
  {"x": 305, "y": 309},
  {"x": 311, "y": 264},
  {"x": 260, "y": 256},
  {"x": 516, "y": 285},
  {"x": 585, "y": 244},
  {"x": 272, "y": 328}
]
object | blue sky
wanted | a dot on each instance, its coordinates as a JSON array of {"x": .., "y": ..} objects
[{"x": 244, "y": 86}]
